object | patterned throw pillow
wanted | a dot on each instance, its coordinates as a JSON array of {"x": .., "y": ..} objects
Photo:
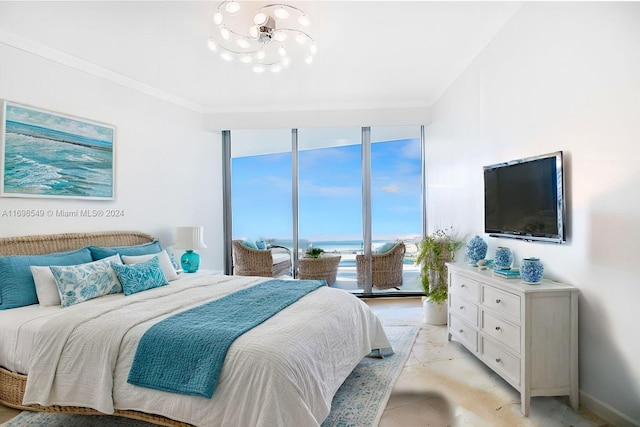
[
  {"x": 79, "y": 283},
  {"x": 165, "y": 262},
  {"x": 141, "y": 276}
]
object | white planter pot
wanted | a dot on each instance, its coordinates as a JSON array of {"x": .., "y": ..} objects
[{"x": 434, "y": 314}]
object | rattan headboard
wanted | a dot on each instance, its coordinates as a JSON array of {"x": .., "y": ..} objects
[{"x": 48, "y": 243}]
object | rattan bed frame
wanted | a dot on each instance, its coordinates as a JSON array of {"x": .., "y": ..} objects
[{"x": 12, "y": 384}]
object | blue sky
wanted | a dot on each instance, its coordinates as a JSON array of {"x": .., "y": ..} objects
[{"x": 329, "y": 193}]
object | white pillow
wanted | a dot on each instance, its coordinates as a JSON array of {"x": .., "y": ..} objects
[
  {"x": 46, "y": 287},
  {"x": 82, "y": 282},
  {"x": 163, "y": 257}
]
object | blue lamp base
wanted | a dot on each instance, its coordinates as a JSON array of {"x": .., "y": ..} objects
[{"x": 190, "y": 261}]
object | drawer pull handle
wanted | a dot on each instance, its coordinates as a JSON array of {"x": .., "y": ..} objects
[
  {"x": 461, "y": 331},
  {"x": 498, "y": 301},
  {"x": 461, "y": 307},
  {"x": 497, "y": 328},
  {"x": 498, "y": 360},
  {"x": 462, "y": 286}
]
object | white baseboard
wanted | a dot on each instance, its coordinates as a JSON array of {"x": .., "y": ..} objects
[{"x": 609, "y": 414}]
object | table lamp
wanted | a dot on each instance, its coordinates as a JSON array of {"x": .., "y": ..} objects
[{"x": 189, "y": 238}]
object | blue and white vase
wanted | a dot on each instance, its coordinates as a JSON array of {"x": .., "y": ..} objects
[
  {"x": 476, "y": 250},
  {"x": 531, "y": 271},
  {"x": 503, "y": 259}
]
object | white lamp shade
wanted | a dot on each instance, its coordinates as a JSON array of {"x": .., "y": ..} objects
[{"x": 190, "y": 238}]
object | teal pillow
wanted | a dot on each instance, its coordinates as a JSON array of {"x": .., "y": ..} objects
[
  {"x": 141, "y": 276},
  {"x": 17, "y": 288},
  {"x": 250, "y": 244},
  {"x": 261, "y": 244},
  {"x": 386, "y": 247},
  {"x": 79, "y": 283},
  {"x": 99, "y": 252}
]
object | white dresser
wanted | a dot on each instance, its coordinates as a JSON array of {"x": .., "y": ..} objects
[{"x": 528, "y": 334}]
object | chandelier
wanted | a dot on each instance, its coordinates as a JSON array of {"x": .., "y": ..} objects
[{"x": 268, "y": 38}]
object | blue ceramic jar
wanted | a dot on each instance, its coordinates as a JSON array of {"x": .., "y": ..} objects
[
  {"x": 531, "y": 270},
  {"x": 503, "y": 259},
  {"x": 476, "y": 250}
]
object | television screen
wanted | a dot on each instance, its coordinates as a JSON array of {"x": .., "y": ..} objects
[{"x": 524, "y": 198}]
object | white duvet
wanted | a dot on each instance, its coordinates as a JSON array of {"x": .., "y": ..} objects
[{"x": 284, "y": 372}]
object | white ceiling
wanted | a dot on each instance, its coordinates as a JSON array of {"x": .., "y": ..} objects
[{"x": 371, "y": 54}]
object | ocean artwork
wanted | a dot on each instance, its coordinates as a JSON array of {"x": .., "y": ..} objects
[{"x": 47, "y": 154}]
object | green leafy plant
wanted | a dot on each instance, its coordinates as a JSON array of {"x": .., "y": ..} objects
[
  {"x": 434, "y": 251},
  {"x": 314, "y": 252}
]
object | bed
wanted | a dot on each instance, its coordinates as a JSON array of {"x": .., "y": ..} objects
[{"x": 284, "y": 371}]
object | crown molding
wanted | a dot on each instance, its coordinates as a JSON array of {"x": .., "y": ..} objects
[{"x": 46, "y": 52}]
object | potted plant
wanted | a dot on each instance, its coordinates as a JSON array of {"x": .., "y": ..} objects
[
  {"x": 314, "y": 252},
  {"x": 434, "y": 251}
]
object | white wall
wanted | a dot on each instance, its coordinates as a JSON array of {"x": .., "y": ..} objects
[
  {"x": 167, "y": 167},
  {"x": 560, "y": 76}
]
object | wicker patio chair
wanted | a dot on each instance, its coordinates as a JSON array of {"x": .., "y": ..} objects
[
  {"x": 386, "y": 268},
  {"x": 325, "y": 267},
  {"x": 273, "y": 262}
]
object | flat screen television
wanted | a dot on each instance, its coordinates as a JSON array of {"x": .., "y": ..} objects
[{"x": 524, "y": 199}]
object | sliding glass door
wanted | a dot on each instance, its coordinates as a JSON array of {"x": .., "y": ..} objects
[
  {"x": 396, "y": 204},
  {"x": 261, "y": 185},
  {"x": 330, "y": 197}
]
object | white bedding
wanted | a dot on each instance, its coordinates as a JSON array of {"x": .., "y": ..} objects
[{"x": 283, "y": 372}]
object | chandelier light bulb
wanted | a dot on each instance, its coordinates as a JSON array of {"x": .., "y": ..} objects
[
  {"x": 212, "y": 45},
  {"x": 260, "y": 55},
  {"x": 232, "y": 7},
  {"x": 286, "y": 62},
  {"x": 254, "y": 32},
  {"x": 279, "y": 36},
  {"x": 260, "y": 18},
  {"x": 218, "y": 18},
  {"x": 308, "y": 59},
  {"x": 275, "y": 69},
  {"x": 304, "y": 21},
  {"x": 246, "y": 59},
  {"x": 224, "y": 33},
  {"x": 281, "y": 13},
  {"x": 226, "y": 56},
  {"x": 258, "y": 69},
  {"x": 313, "y": 49},
  {"x": 243, "y": 43},
  {"x": 282, "y": 51}
]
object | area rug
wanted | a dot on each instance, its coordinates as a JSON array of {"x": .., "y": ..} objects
[{"x": 359, "y": 402}]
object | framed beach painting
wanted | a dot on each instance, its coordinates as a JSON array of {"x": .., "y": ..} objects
[{"x": 47, "y": 154}]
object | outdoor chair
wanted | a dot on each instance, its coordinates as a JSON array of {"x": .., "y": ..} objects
[
  {"x": 272, "y": 262},
  {"x": 386, "y": 268}
]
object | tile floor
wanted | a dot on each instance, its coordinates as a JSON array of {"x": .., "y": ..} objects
[{"x": 443, "y": 385}]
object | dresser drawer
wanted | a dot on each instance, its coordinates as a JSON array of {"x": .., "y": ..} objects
[
  {"x": 465, "y": 287},
  {"x": 504, "y": 363},
  {"x": 501, "y": 301},
  {"x": 505, "y": 332},
  {"x": 463, "y": 333},
  {"x": 465, "y": 309}
]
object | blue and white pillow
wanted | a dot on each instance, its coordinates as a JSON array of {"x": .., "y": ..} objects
[
  {"x": 165, "y": 263},
  {"x": 79, "y": 283},
  {"x": 140, "y": 276}
]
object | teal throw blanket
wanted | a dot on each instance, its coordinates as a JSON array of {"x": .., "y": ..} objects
[{"x": 185, "y": 352}]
